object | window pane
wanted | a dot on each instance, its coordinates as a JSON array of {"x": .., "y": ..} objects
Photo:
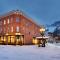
[
  {"x": 17, "y": 29},
  {"x": 8, "y": 21},
  {"x": 4, "y": 22},
  {"x": 11, "y": 29}
]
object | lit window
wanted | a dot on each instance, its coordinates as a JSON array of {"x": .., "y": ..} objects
[
  {"x": 17, "y": 19},
  {"x": 4, "y": 22},
  {"x": 17, "y": 28},
  {"x": 11, "y": 29},
  {"x": 8, "y": 21}
]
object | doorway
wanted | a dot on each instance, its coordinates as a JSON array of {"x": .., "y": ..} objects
[{"x": 19, "y": 39}]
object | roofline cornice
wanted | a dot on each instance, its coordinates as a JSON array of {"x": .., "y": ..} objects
[{"x": 21, "y": 13}]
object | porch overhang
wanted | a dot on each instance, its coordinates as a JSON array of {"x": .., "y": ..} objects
[
  {"x": 39, "y": 38},
  {"x": 13, "y": 34}
]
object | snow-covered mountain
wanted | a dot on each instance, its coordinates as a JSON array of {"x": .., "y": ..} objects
[
  {"x": 57, "y": 23},
  {"x": 53, "y": 26}
]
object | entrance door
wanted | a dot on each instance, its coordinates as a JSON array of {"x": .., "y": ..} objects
[
  {"x": 12, "y": 39},
  {"x": 9, "y": 40},
  {"x": 19, "y": 39}
]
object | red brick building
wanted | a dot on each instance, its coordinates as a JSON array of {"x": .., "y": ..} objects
[{"x": 17, "y": 28}]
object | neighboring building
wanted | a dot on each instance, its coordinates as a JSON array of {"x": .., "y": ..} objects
[{"x": 17, "y": 28}]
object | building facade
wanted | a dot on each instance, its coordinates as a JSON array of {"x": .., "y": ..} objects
[{"x": 17, "y": 28}]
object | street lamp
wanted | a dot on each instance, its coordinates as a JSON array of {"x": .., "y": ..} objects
[{"x": 42, "y": 30}]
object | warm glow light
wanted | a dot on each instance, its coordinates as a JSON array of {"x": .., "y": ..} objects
[
  {"x": 34, "y": 41},
  {"x": 12, "y": 39},
  {"x": 42, "y": 30},
  {"x": 17, "y": 33},
  {"x": 4, "y": 38}
]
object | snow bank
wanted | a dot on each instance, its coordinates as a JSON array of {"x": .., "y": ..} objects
[{"x": 29, "y": 52}]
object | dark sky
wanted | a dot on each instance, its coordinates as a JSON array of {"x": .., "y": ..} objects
[{"x": 42, "y": 11}]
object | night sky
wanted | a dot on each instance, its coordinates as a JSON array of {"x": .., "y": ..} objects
[{"x": 41, "y": 11}]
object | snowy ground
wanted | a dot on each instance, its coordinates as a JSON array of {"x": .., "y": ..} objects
[{"x": 31, "y": 52}]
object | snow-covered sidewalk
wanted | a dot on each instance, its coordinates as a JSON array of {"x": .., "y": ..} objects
[{"x": 29, "y": 52}]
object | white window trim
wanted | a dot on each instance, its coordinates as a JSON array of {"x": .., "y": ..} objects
[
  {"x": 12, "y": 29},
  {"x": 17, "y": 29},
  {"x": 4, "y": 21},
  {"x": 8, "y": 21}
]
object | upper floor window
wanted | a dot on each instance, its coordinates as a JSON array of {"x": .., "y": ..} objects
[
  {"x": 4, "y": 21},
  {"x": 8, "y": 21},
  {"x": 17, "y": 19},
  {"x": 12, "y": 29},
  {"x": 17, "y": 29}
]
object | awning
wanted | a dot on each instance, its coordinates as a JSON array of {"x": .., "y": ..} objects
[
  {"x": 13, "y": 34},
  {"x": 45, "y": 37}
]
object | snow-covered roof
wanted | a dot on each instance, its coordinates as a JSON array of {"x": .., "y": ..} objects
[{"x": 46, "y": 37}]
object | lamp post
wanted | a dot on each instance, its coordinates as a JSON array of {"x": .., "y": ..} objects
[{"x": 42, "y": 30}]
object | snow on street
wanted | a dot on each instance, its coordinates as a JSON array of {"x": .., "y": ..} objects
[{"x": 29, "y": 52}]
